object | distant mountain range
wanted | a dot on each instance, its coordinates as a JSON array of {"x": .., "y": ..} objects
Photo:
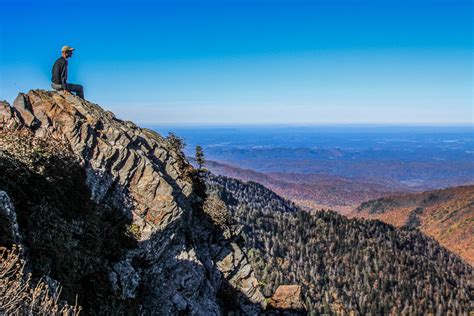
[
  {"x": 412, "y": 166},
  {"x": 312, "y": 191},
  {"x": 447, "y": 215}
]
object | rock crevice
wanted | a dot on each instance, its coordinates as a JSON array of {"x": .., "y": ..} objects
[{"x": 138, "y": 172}]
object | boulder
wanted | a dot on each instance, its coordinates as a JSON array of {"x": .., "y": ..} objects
[{"x": 288, "y": 298}]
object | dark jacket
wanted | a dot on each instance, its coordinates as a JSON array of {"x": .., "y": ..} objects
[{"x": 60, "y": 72}]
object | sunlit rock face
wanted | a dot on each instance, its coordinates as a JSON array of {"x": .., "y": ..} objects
[{"x": 185, "y": 260}]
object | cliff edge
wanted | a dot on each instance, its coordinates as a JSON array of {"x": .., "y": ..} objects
[{"x": 172, "y": 253}]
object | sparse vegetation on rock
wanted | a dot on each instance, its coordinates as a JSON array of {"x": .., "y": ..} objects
[{"x": 116, "y": 214}]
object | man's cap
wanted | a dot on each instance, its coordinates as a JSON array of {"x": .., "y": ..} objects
[{"x": 67, "y": 48}]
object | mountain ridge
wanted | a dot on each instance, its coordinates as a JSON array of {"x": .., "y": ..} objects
[
  {"x": 445, "y": 214},
  {"x": 311, "y": 191},
  {"x": 345, "y": 266},
  {"x": 116, "y": 214},
  {"x": 175, "y": 259}
]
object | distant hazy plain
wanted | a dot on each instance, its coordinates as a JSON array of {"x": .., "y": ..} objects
[{"x": 414, "y": 156}]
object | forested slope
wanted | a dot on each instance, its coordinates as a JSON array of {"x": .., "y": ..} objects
[{"x": 344, "y": 265}]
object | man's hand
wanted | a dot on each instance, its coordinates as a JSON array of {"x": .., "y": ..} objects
[{"x": 66, "y": 91}]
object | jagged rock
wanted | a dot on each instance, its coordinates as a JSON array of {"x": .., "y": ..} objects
[
  {"x": 6, "y": 112},
  {"x": 183, "y": 259},
  {"x": 119, "y": 157},
  {"x": 124, "y": 278},
  {"x": 287, "y": 297},
  {"x": 7, "y": 116}
]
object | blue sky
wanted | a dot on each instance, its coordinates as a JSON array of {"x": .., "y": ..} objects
[{"x": 260, "y": 61}]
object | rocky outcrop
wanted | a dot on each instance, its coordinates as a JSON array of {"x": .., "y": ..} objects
[
  {"x": 183, "y": 261},
  {"x": 287, "y": 297}
]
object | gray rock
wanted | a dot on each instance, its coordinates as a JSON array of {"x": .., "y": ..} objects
[
  {"x": 183, "y": 259},
  {"x": 125, "y": 278}
]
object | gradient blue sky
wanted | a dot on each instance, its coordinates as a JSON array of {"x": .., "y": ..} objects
[{"x": 198, "y": 62}]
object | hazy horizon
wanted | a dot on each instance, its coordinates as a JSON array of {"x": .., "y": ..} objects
[
  {"x": 409, "y": 156},
  {"x": 312, "y": 124}
]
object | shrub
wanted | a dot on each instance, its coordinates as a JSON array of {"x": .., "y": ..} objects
[{"x": 177, "y": 143}]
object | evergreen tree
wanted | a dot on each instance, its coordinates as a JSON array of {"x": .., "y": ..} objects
[{"x": 200, "y": 157}]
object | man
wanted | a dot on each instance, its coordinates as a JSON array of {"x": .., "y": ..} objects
[{"x": 59, "y": 78}]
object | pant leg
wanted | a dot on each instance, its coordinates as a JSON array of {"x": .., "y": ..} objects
[{"x": 77, "y": 89}]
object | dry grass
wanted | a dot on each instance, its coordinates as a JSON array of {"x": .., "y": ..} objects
[{"x": 18, "y": 294}]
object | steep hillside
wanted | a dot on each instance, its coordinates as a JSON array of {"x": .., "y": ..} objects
[
  {"x": 447, "y": 215},
  {"x": 115, "y": 213},
  {"x": 345, "y": 266}
]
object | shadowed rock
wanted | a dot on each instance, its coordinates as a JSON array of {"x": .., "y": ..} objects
[
  {"x": 183, "y": 259},
  {"x": 9, "y": 232}
]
